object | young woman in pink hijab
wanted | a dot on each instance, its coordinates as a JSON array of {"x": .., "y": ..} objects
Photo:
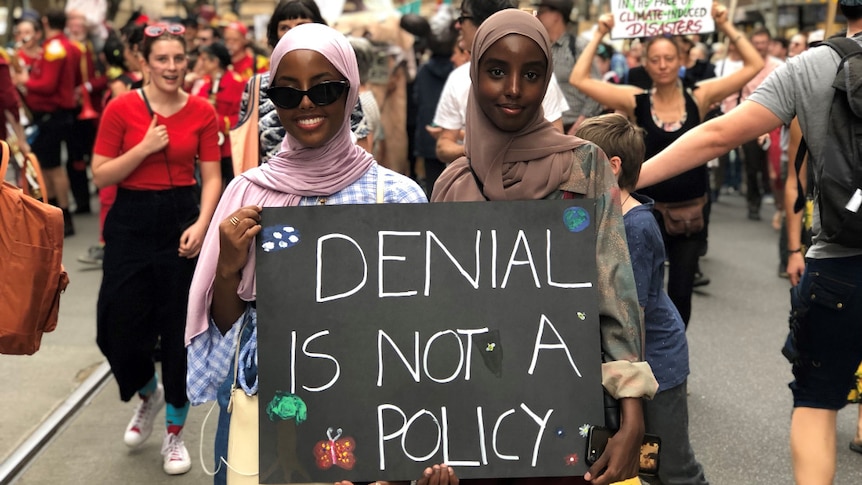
[
  {"x": 513, "y": 153},
  {"x": 314, "y": 79}
]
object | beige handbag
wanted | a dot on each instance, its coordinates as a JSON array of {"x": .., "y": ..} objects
[
  {"x": 242, "y": 446},
  {"x": 243, "y": 440}
]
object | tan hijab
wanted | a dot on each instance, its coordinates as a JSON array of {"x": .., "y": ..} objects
[{"x": 525, "y": 165}]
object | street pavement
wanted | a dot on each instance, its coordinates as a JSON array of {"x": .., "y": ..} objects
[{"x": 739, "y": 403}]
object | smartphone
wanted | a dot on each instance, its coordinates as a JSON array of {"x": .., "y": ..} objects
[{"x": 597, "y": 440}]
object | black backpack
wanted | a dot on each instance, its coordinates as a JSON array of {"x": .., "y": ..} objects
[{"x": 839, "y": 168}]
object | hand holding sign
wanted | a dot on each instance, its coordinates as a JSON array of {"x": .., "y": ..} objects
[
  {"x": 606, "y": 24},
  {"x": 433, "y": 475},
  {"x": 719, "y": 14},
  {"x": 616, "y": 460},
  {"x": 236, "y": 234},
  {"x": 439, "y": 475}
]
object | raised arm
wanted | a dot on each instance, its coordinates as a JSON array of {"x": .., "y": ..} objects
[
  {"x": 716, "y": 89},
  {"x": 615, "y": 97},
  {"x": 708, "y": 141}
]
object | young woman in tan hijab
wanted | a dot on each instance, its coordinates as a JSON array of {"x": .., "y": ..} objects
[{"x": 513, "y": 153}]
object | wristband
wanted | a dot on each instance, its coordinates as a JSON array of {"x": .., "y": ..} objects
[{"x": 791, "y": 251}]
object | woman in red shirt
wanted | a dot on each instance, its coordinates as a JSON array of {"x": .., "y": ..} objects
[
  {"x": 223, "y": 88},
  {"x": 148, "y": 142}
]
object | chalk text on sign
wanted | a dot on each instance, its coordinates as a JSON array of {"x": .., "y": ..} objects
[
  {"x": 521, "y": 254},
  {"x": 441, "y": 440},
  {"x": 465, "y": 352}
]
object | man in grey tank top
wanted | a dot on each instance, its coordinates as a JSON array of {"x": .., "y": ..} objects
[{"x": 825, "y": 342}]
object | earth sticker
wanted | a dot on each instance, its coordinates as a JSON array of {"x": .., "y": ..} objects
[{"x": 576, "y": 219}]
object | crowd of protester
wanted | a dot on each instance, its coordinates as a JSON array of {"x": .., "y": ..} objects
[{"x": 140, "y": 116}]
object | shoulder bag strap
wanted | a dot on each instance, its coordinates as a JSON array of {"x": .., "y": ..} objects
[
  {"x": 235, "y": 384},
  {"x": 381, "y": 188},
  {"x": 147, "y": 102},
  {"x": 164, "y": 150},
  {"x": 801, "y": 193},
  {"x": 4, "y": 160},
  {"x": 256, "y": 93}
]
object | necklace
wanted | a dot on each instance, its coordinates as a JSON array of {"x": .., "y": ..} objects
[
  {"x": 626, "y": 200},
  {"x": 679, "y": 107}
]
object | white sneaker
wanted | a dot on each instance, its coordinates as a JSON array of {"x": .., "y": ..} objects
[
  {"x": 141, "y": 425},
  {"x": 177, "y": 460}
]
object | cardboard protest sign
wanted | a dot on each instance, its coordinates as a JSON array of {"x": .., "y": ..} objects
[
  {"x": 396, "y": 336},
  {"x": 647, "y": 18}
]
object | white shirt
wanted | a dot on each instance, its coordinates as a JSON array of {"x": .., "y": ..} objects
[
  {"x": 726, "y": 67},
  {"x": 452, "y": 108}
]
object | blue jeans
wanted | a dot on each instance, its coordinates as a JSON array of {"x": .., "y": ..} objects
[
  {"x": 826, "y": 332},
  {"x": 223, "y": 430}
]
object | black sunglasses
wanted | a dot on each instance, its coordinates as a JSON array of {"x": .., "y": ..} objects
[
  {"x": 322, "y": 94},
  {"x": 463, "y": 17}
]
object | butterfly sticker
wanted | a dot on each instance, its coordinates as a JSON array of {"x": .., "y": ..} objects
[{"x": 336, "y": 451}]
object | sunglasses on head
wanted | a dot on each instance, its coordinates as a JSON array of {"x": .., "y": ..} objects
[
  {"x": 321, "y": 94},
  {"x": 156, "y": 30}
]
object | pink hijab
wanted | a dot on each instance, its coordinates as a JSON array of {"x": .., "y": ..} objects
[
  {"x": 296, "y": 171},
  {"x": 525, "y": 165}
]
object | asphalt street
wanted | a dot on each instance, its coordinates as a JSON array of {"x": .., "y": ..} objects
[{"x": 739, "y": 401}]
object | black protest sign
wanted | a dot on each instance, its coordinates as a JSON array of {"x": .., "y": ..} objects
[{"x": 396, "y": 336}]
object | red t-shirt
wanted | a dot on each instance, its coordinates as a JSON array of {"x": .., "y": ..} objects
[
  {"x": 227, "y": 100},
  {"x": 193, "y": 133}
]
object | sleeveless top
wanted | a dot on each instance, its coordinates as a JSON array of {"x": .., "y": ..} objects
[{"x": 687, "y": 185}]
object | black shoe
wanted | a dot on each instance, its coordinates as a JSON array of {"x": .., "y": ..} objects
[
  {"x": 754, "y": 214},
  {"x": 700, "y": 280}
]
